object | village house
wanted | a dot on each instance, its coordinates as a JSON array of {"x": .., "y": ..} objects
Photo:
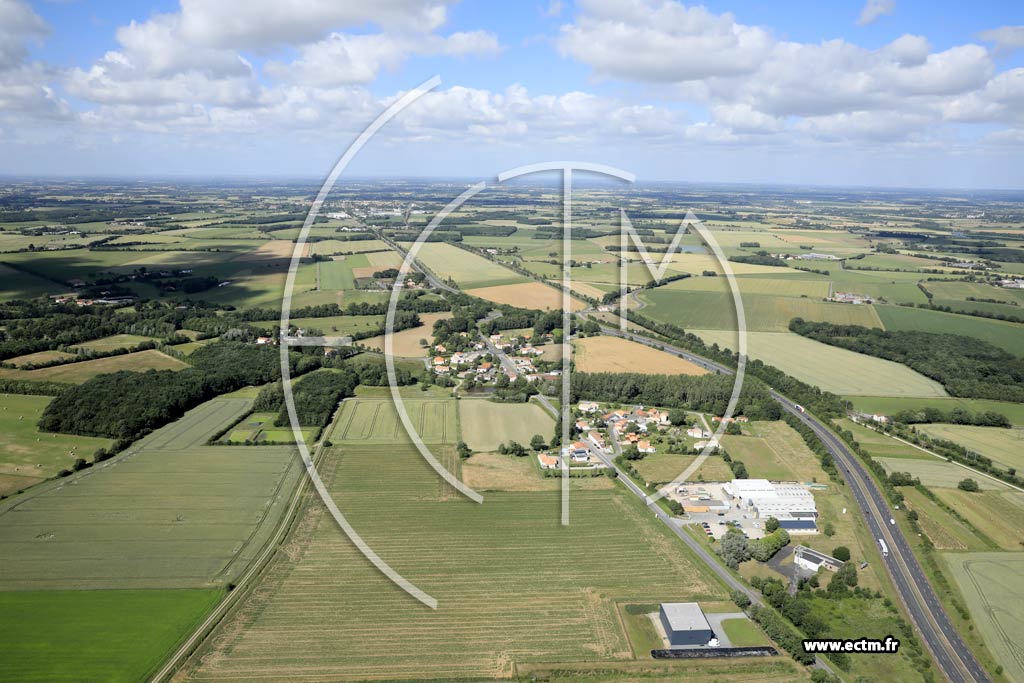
[
  {"x": 596, "y": 439},
  {"x": 579, "y": 452},
  {"x": 589, "y": 407},
  {"x": 548, "y": 462},
  {"x": 698, "y": 433},
  {"x": 644, "y": 446}
]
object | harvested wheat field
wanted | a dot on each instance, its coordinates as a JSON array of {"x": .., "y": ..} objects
[
  {"x": 525, "y": 295},
  {"x": 611, "y": 354}
]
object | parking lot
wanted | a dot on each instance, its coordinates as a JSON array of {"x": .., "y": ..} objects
[{"x": 694, "y": 495}]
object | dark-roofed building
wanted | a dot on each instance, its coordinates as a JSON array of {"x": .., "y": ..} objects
[{"x": 685, "y": 624}]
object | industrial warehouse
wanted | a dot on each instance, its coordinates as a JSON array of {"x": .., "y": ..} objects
[{"x": 790, "y": 503}]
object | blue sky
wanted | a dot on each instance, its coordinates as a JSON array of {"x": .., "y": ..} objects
[{"x": 887, "y": 92}]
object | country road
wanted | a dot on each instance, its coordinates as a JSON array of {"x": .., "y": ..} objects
[{"x": 954, "y": 658}]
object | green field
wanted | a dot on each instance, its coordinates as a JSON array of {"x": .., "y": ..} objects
[
  {"x": 81, "y": 371},
  {"x": 1005, "y": 446},
  {"x": 515, "y": 587},
  {"x": 466, "y": 269},
  {"x": 881, "y": 445},
  {"x": 744, "y": 633},
  {"x": 331, "y": 326},
  {"x": 944, "y": 530},
  {"x": 1009, "y": 336},
  {"x": 28, "y": 456},
  {"x": 889, "y": 405},
  {"x": 172, "y": 513},
  {"x": 369, "y": 421},
  {"x": 764, "y": 313},
  {"x": 994, "y": 592},
  {"x": 999, "y": 514},
  {"x": 485, "y": 424},
  {"x": 112, "y": 343},
  {"x": 936, "y": 472},
  {"x": 829, "y": 367},
  {"x": 15, "y": 284},
  {"x": 661, "y": 468},
  {"x": 773, "y": 450},
  {"x": 802, "y": 285},
  {"x": 338, "y": 274},
  {"x": 259, "y": 427},
  {"x": 109, "y": 636}
]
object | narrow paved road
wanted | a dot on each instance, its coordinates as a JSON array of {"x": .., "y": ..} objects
[{"x": 952, "y": 655}]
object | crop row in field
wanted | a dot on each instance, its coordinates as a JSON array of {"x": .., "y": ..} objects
[
  {"x": 142, "y": 521},
  {"x": 514, "y": 585},
  {"x": 367, "y": 421}
]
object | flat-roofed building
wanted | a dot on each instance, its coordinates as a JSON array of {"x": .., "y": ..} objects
[
  {"x": 685, "y": 623},
  {"x": 790, "y": 503}
]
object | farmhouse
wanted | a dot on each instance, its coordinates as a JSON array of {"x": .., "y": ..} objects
[
  {"x": 812, "y": 560},
  {"x": 685, "y": 624},
  {"x": 851, "y": 298},
  {"x": 792, "y": 504},
  {"x": 548, "y": 462}
]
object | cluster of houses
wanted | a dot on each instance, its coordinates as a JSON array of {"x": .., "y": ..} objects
[
  {"x": 484, "y": 370},
  {"x": 86, "y": 301},
  {"x": 463, "y": 363},
  {"x": 850, "y": 298},
  {"x": 1012, "y": 284}
]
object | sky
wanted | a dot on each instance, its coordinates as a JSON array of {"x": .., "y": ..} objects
[{"x": 873, "y": 93}]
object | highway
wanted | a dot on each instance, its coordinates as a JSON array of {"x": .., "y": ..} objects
[
  {"x": 952, "y": 655},
  {"x": 954, "y": 658}
]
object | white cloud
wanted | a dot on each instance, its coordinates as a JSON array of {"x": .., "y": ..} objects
[
  {"x": 18, "y": 26},
  {"x": 263, "y": 24},
  {"x": 1006, "y": 38},
  {"x": 874, "y": 10},
  {"x": 25, "y": 93},
  {"x": 661, "y": 41},
  {"x": 343, "y": 58}
]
